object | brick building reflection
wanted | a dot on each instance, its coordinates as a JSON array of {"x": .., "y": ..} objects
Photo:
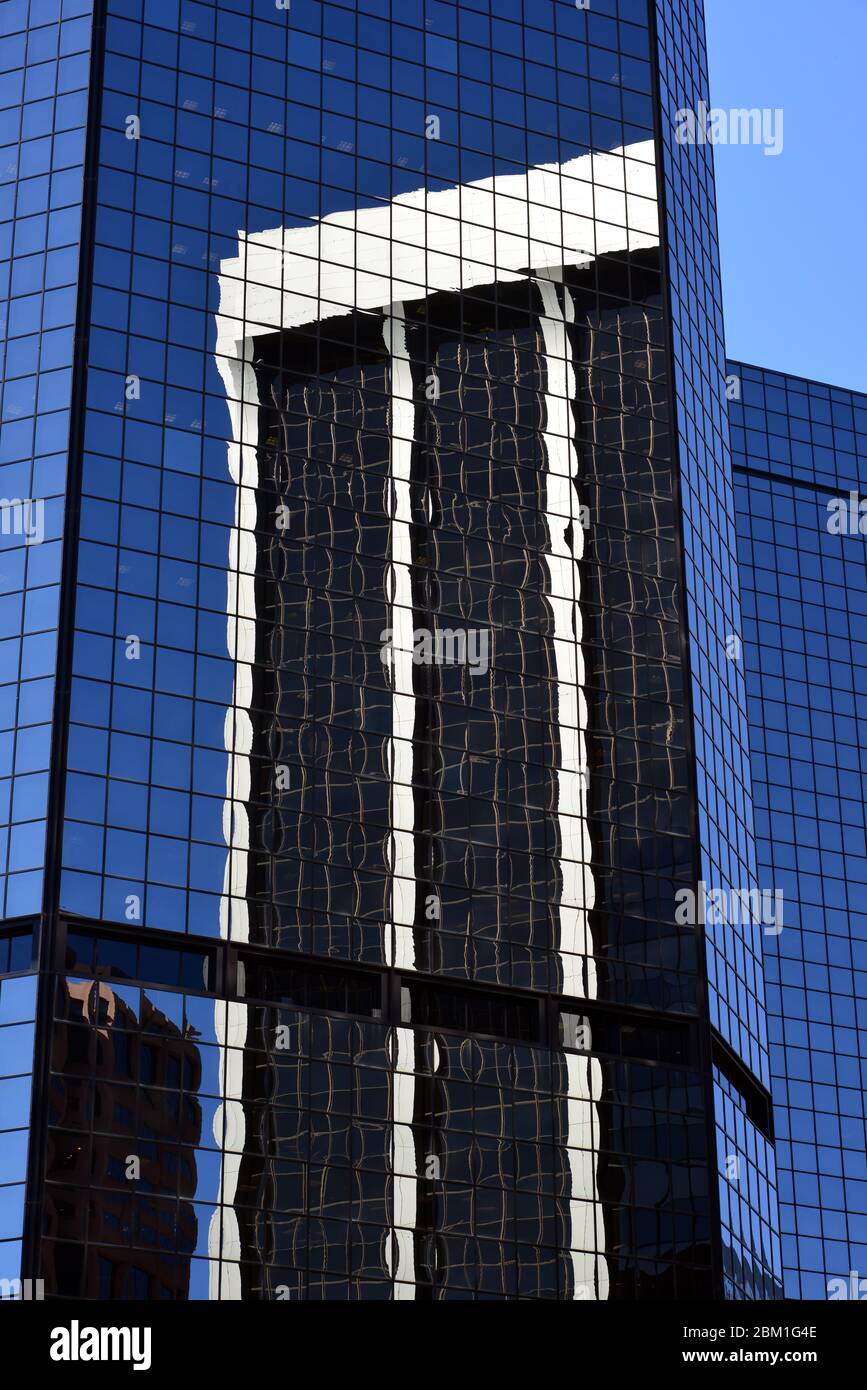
[{"x": 123, "y": 1086}]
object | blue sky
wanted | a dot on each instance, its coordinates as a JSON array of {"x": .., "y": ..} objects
[{"x": 793, "y": 227}]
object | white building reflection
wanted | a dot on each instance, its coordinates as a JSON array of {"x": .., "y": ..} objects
[{"x": 503, "y": 229}]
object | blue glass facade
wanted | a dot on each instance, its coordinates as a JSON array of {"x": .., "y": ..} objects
[
  {"x": 44, "y": 80},
  {"x": 720, "y": 747},
  {"x": 46, "y": 71},
  {"x": 800, "y": 457},
  {"x": 242, "y": 764},
  {"x": 402, "y": 695}
]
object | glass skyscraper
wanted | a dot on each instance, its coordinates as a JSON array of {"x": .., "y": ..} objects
[
  {"x": 383, "y": 885},
  {"x": 800, "y": 457}
]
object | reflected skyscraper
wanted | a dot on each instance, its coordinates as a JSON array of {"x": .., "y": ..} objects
[{"x": 375, "y": 715}]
